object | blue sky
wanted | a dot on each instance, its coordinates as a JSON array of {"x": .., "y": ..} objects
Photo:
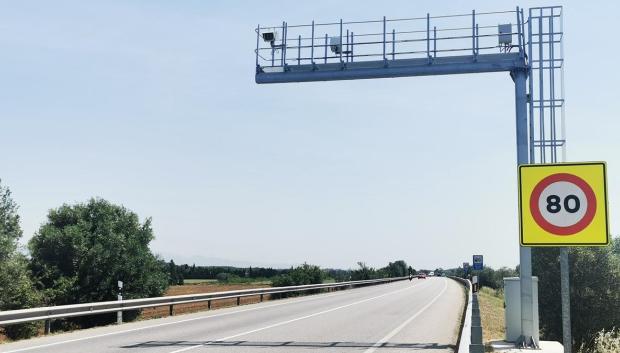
[{"x": 153, "y": 105}]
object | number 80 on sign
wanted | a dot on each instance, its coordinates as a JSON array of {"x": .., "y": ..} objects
[{"x": 563, "y": 204}]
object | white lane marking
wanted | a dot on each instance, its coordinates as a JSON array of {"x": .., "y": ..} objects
[
  {"x": 289, "y": 321},
  {"x": 406, "y": 322},
  {"x": 175, "y": 322}
]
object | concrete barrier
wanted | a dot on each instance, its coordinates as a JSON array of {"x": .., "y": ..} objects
[{"x": 464, "y": 342}]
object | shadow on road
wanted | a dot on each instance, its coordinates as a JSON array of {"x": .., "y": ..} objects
[{"x": 152, "y": 344}]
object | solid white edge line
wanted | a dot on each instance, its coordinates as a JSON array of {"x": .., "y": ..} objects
[
  {"x": 395, "y": 331},
  {"x": 290, "y": 321},
  {"x": 328, "y": 295}
]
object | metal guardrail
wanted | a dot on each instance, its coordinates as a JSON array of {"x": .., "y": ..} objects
[
  {"x": 12, "y": 317},
  {"x": 464, "y": 344}
]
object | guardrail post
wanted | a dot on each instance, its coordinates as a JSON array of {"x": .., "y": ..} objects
[
  {"x": 119, "y": 314},
  {"x": 208, "y": 305},
  {"x": 48, "y": 326},
  {"x": 171, "y": 310},
  {"x": 238, "y": 301},
  {"x": 261, "y": 298}
]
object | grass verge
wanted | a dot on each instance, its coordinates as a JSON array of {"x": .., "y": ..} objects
[{"x": 492, "y": 314}]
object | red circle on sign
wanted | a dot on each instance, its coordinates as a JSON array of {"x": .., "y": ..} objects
[{"x": 557, "y": 230}]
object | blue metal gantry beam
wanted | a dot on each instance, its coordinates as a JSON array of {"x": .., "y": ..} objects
[{"x": 399, "y": 68}]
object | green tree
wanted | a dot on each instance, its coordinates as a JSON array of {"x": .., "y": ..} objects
[
  {"x": 175, "y": 276},
  {"x": 307, "y": 274},
  {"x": 396, "y": 269},
  {"x": 16, "y": 288},
  {"x": 82, "y": 250},
  {"x": 363, "y": 272},
  {"x": 300, "y": 275},
  {"x": 489, "y": 277},
  {"x": 10, "y": 231},
  {"x": 594, "y": 283}
]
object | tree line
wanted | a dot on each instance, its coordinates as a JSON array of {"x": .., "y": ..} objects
[
  {"x": 289, "y": 276},
  {"x": 178, "y": 273}
]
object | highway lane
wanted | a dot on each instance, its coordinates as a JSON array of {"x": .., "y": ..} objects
[{"x": 396, "y": 317}]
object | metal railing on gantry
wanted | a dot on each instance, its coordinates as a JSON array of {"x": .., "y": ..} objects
[{"x": 387, "y": 42}]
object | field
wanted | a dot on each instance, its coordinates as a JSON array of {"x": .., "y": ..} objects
[
  {"x": 199, "y": 281},
  {"x": 492, "y": 314},
  {"x": 201, "y": 286}
]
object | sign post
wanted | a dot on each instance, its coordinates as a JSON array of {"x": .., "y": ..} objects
[{"x": 565, "y": 294}]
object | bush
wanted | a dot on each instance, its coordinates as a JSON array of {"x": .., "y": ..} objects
[
  {"x": 300, "y": 275},
  {"x": 306, "y": 274},
  {"x": 223, "y": 276},
  {"x": 18, "y": 292},
  {"x": 83, "y": 250},
  {"x": 363, "y": 272},
  {"x": 604, "y": 342},
  {"x": 282, "y": 281},
  {"x": 494, "y": 279},
  {"x": 16, "y": 288}
]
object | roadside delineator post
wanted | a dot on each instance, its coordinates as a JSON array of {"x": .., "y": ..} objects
[{"x": 119, "y": 314}]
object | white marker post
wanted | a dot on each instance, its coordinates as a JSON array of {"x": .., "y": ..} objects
[{"x": 119, "y": 314}]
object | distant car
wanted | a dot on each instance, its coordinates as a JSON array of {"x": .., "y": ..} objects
[
  {"x": 431, "y": 274},
  {"x": 422, "y": 275}
]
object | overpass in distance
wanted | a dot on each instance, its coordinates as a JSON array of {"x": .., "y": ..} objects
[{"x": 395, "y": 317}]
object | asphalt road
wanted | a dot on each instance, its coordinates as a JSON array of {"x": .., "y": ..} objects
[{"x": 397, "y": 317}]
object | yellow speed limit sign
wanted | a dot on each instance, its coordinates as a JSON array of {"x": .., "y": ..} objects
[{"x": 563, "y": 204}]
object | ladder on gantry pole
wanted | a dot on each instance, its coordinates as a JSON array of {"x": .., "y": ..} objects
[{"x": 546, "y": 115}]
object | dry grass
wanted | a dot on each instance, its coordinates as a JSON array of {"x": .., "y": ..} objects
[
  {"x": 202, "y": 288},
  {"x": 492, "y": 314},
  {"x": 604, "y": 342}
]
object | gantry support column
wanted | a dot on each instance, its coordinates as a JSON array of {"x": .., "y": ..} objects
[{"x": 525, "y": 253}]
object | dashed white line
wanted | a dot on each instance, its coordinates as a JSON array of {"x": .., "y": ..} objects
[
  {"x": 406, "y": 322},
  {"x": 289, "y": 321}
]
